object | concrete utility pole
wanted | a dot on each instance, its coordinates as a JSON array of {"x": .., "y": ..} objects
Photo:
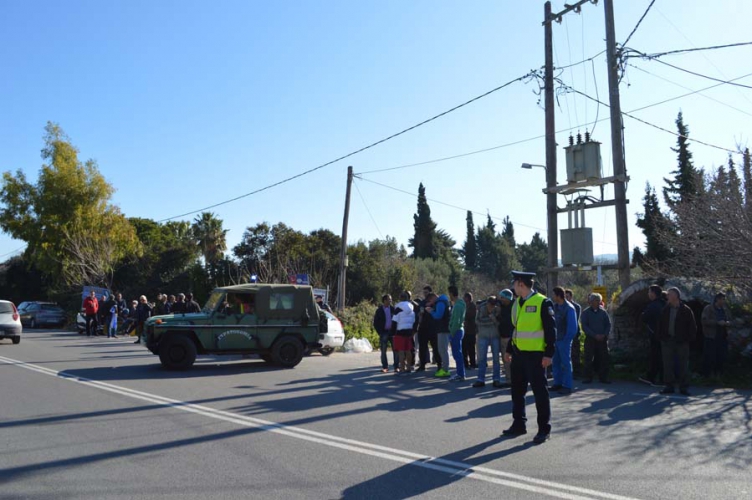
[
  {"x": 617, "y": 149},
  {"x": 343, "y": 253},
  {"x": 553, "y": 230}
]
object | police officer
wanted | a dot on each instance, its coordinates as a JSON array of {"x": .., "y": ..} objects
[{"x": 530, "y": 352}]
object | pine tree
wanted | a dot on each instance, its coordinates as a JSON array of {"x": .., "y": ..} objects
[
  {"x": 747, "y": 175},
  {"x": 507, "y": 231},
  {"x": 653, "y": 224},
  {"x": 734, "y": 184},
  {"x": 423, "y": 243},
  {"x": 470, "y": 248},
  {"x": 686, "y": 183}
]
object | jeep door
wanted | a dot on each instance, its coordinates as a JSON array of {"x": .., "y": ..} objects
[{"x": 234, "y": 323}]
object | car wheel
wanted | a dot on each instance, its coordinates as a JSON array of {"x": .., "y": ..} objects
[
  {"x": 16, "y": 339},
  {"x": 287, "y": 351},
  {"x": 177, "y": 352},
  {"x": 326, "y": 351},
  {"x": 33, "y": 323}
]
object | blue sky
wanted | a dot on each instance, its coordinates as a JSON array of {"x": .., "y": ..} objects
[{"x": 186, "y": 104}]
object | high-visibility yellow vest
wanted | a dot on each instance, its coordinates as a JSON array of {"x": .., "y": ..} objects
[{"x": 528, "y": 325}]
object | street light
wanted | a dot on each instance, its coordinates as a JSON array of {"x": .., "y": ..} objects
[{"x": 530, "y": 166}]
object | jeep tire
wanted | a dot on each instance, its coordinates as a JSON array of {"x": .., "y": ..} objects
[
  {"x": 16, "y": 339},
  {"x": 287, "y": 351},
  {"x": 177, "y": 352}
]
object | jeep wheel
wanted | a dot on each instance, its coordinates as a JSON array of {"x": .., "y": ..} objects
[
  {"x": 326, "y": 351},
  {"x": 267, "y": 358},
  {"x": 287, "y": 351},
  {"x": 177, "y": 352},
  {"x": 16, "y": 339}
]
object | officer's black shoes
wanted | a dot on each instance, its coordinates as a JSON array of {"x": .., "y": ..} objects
[
  {"x": 556, "y": 387},
  {"x": 541, "y": 438},
  {"x": 684, "y": 392},
  {"x": 479, "y": 383},
  {"x": 500, "y": 385},
  {"x": 565, "y": 391},
  {"x": 587, "y": 381},
  {"x": 514, "y": 431},
  {"x": 669, "y": 389}
]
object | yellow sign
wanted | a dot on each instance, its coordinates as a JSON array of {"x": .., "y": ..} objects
[{"x": 602, "y": 290}]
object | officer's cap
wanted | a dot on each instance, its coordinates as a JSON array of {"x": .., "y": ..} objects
[{"x": 520, "y": 275}]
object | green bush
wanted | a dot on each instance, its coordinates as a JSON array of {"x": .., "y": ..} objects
[{"x": 358, "y": 322}]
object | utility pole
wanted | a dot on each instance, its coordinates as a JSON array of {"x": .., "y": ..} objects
[
  {"x": 553, "y": 230},
  {"x": 343, "y": 253},
  {"x": 617, "y": 148}
]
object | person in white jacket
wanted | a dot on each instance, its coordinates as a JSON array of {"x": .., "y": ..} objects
[{"x": 404, "y": 316}]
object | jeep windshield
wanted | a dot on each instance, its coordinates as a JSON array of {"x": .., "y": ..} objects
[{"x": 215, "y": 299}]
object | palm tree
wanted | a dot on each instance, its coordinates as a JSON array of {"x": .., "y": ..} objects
[{"x": 210, "y": 238}]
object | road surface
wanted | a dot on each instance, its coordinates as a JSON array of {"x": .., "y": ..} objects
[{"x": 99, "y": 418}]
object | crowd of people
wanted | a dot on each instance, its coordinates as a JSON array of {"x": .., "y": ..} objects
[
  {"x": 533, "y": 337},
  {"x": 114, "y": 316}
]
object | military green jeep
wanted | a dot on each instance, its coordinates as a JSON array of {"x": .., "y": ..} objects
[{"x": 278, "y": 322}]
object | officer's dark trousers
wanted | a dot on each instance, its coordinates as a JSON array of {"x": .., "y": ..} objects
[
  {"x": 527, "y": 369},
  {"x": 424, "y": 338},
  {"x": 656, "y": 360}
]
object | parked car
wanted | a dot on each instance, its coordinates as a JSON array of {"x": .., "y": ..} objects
[
  {"x": 38, "y": 314},
  {"x": 278, "y": 322},
  {"x": 334, "y": 336},
  {"x": 10, "y": 322}
]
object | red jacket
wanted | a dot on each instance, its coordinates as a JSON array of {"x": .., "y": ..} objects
[{"x": 91, "y": 305}]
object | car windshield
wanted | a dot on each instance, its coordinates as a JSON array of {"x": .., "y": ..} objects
[
  {"x": 6, "y": 307},
  {"x": 214, "y": 300}
]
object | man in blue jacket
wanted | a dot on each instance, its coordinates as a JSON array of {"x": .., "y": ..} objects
[
  {"x": 566, "y": 330},
  {"x": 440, "y": 313}
]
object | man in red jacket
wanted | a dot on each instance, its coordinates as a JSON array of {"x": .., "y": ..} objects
[{"x": 91, "y": 307}]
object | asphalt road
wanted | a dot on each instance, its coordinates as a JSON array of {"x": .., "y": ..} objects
[{"x": 99, "y": 418}]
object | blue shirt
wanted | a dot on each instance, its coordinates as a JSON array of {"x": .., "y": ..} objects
[{"x": 566, "y": 321}]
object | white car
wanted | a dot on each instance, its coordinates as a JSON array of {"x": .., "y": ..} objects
[
  {"x": 10, "y": 322},
  {"x": 334, "y": 337}
]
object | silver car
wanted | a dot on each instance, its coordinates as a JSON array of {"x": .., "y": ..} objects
[{"x": 10, "y": 322}]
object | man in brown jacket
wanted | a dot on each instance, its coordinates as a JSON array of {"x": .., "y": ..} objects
[
  {"x": 676, "y": 329},
  {"x": 716, "y": 319}
]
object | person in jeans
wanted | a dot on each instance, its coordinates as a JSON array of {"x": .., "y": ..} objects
[
  {"x": 382, "y": 323},
  {"x": 566, "y": 329},
  {"x": 506, "y": 328},
  {"x": 576, "y": 355},
  {"x": 404, "y": 318},
  {"x": 716, "y": 319},
  {"x": 597, "y": 326},
  {"x": 471, "y": 329},
  {"x": 676, "y": 329},
  {"x": 440, "y": 311},
  {"x": 457, "y": 332},
  {"x": 487, "y": 320}
]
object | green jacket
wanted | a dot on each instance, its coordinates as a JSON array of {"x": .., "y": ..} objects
[{"x": 457, "y": 321}]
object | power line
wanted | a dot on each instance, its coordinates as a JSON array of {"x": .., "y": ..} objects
[
  {"x": 581, "y": 62},
  {"x": 647, "y": 57},
  {"x": 651, "y": 124},
  {"x": 288, "y": 179},
  {"x": 12, "y": 251},
  {"x": 522, "y": 141},
  {"x": 638, "y": 23},
  {"x": 696, "y": 91},
  {"x": 432, "y": 200},
  {"x": 696, "y": 49},
  {"x": 367, "y": 209}
]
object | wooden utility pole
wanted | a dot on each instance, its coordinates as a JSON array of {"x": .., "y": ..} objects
[
  {"x": 552, "y": 221},
  {"x": 617, "y": 148},
  {"x": 343, "y": 253}
]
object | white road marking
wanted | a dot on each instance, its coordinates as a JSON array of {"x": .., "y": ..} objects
[{"x": 520, "y": 482}]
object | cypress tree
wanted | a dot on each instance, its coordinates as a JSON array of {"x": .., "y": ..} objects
[
  {"x": 653, "y": 222},
  {"x": 470, "y": 248},
  {"x": 734, "y": 184},
  {"x": 747, "y": 175},
  {"x": 507, "y": 232},
  {"x": 422, "y": 242}
]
